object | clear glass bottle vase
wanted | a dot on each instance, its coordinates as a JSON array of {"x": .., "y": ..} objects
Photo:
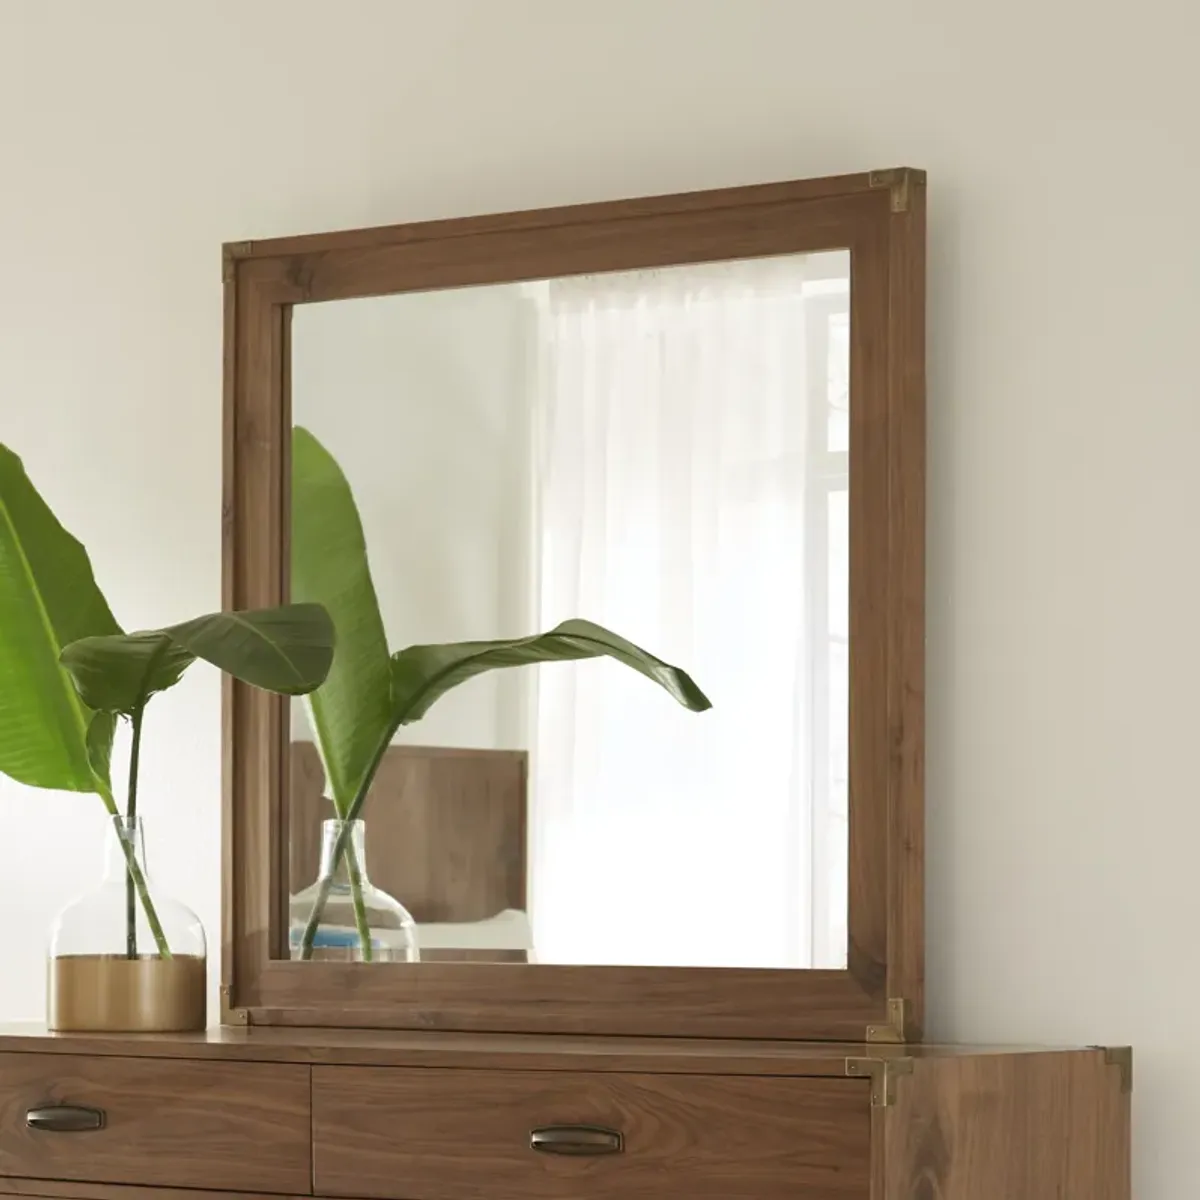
[
  {"x": 126, "y": 957},
  {"x": 342, "y": 916}
]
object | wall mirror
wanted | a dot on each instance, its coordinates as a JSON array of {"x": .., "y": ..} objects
[{"x": 696, "y": 421}]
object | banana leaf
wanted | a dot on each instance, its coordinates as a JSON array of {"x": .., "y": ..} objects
[
  {"x": 351, "y": 709},
  {"x": 421, "y": 675},
  {"x": 367, "y": 695},
  {"x": 48, "y": 599},
  {"x": 286, "y": 650}
]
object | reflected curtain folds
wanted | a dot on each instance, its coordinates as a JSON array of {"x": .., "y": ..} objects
[{"x": 691, "y": 483}]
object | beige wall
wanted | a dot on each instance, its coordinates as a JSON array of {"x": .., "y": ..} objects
[{"x": 1064, "y": 567}]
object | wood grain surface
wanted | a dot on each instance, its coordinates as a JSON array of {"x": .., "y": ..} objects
[
  {"x": 465, "y": 1135},
  {"x": 451, "y": 1120},
  {"x": 166, "y": 1122},
  {"x": 503, "y": 1051},
  {"x": 836, "y": 186},
  {"x": 535, "y": 1052},
  {"x": 45, "y": 1189},
  {"x": 906, "y": 608},
  {"x": 1052, "y": 1126}
]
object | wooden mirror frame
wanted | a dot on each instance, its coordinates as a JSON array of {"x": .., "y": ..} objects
[{"x": 880, "y": 217}]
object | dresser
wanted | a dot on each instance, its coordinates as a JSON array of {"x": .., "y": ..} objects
[{"x": 427, "y": 1116}]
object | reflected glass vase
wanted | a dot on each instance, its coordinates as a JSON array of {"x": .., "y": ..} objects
[
  {"x": 343, "y": 917},
  {"x": 126, "y": 957}
]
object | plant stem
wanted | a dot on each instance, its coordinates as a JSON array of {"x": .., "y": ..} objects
[
  {"x": 139, "y": 880},
  {"x": 139, "y": 883},
  {"x": 130, "y": 831},
  {"x": 344, "y": 842},
  {"x": 314, "y": 918},
  {"x": 354, "y": 870}
]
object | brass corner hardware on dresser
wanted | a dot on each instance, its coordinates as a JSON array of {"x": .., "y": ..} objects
[
  {"x": 882, "y": 1073},
  {"x": 1121, "y": 1057}
]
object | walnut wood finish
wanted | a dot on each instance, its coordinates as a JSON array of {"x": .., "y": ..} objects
[
  {"x": 880, "y": 218},
  {"x": 425, "y": 1116},
  {"x": 167, "y": 1123},
  {"x": 445, "y": 833},
  {"x": 905, "y": 620},
  {"x": 465, "y": 1135},
  {"x": 1049, "y": 1126},
  {"x": 45, "y": 1189},
  {"x": 509, "y": 1052}
]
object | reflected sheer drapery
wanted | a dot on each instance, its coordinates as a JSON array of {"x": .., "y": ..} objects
[{"x": 682, "y": 500}]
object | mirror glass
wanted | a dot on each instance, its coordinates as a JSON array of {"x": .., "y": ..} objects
[{"x": 664, "y": 453}]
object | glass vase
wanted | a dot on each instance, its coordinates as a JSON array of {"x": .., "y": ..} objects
[
  {"x": 342, "y": 916},
  {"x": 127, "y": 957}
]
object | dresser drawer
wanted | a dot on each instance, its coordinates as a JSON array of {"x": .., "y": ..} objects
[
  {"x": 412, "y": 1134},
  {"x": 164, "y": 1122}
]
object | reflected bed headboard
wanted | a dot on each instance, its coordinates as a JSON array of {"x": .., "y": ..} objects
[{"x": 445, "y": 830}]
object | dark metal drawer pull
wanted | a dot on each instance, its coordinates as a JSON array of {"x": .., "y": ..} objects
[
  {"x": 64, "y": 1118},
  {"x": 576, "y": 1139}
]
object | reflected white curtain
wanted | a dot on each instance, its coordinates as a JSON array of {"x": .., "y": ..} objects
[{"x": 674, "y": 502}]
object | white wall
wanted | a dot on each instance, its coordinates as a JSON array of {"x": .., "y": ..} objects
[{"x": 1064, "y": 570}]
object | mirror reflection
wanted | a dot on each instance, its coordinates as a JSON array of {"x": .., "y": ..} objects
[{"x": 663, "y": 453}]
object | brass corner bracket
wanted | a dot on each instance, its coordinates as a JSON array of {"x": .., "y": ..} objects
[
  {"x": 229, "y": 1014},
  {"x": 1120, "y": 1057},
  {"x": 883, "y": 1073},
  {"x": 230, "y": 253},
  {"x": 895, "y": 1030},
  {"x": 899, "y": 181}
]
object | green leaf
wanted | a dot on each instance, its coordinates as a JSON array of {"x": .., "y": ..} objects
[
  {"x": 119, "y": 673},
  {"x": 368, "y": 696},
  {"x": 287, "y": 650},
  {"x": 351, "y": 711},
  {"x": 101, "y": 730},
  {"x": 423, "y": 674},
  {"x": 48, "y": 599}
]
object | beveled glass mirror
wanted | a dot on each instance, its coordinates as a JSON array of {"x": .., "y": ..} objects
[{"x": 696, "y": 421}]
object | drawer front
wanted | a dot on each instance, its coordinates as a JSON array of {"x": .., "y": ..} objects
[
  {"x": 154, "y": 1121},
  {"x": 410, "y": 1134}
]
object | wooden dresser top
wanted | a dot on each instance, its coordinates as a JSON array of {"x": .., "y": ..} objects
[{"x": 481, "y": 1050}]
